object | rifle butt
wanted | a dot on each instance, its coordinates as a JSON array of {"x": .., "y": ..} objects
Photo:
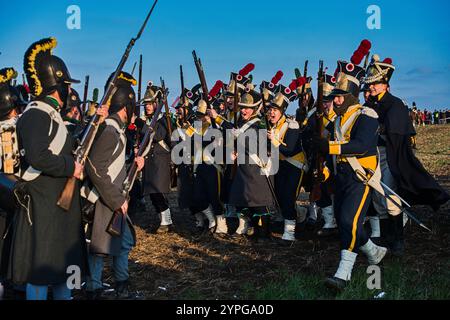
[
  {"x": 65, "y": 199},
  {"x": 115, "y": 225}
]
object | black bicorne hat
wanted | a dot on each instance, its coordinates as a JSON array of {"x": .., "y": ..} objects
[
  {"x": 284, "y": 96},
  {"x": 249, "y": 98},
  {"x": 379, "y": 71},
  {"x": 328, "y": 86},
  {"x": 239, "y": 80},
  {"x": 268, "y": 88},
  {"x": 349, "y": 74}
]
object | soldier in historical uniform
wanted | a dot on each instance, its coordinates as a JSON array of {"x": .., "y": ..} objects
[
  {"x": 47, "y": 240},
  {"x": 107, "y": 170},
  {"x": 353, "y": 143},
  {"x": 400, "y": 169},
  {"x": 10, "y": 104},
  {"x": 250, "y": 189},
  {"x": 72, "y": 115},
  {"x": 207, "y": 172},
  {"x": 156, "y": 175},
  {"x": 325, "y": 203},
  {"x": 185, "y": 150},
  {"x": 238, "y": 81},
  {"x": 284, "y": 134}
]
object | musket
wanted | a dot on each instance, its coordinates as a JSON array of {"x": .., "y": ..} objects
[
  {"x": 85, "y": 145},
  {"x": 140, "y": 80},
  {"x": 264, "y": 108},
  {"x": 85, "y": 97},
  {"x": 137, "y": 110},
  {"x": 134, "y": 67},
  {"x": 115, "y": 225},
  {"x": 366, "y": 61},
  {"x": 201, "y": 75},
  {"x": 166, "y": 107},
  {"x": 182, "y": 96},
  {"x": 95, "y": 95},
  {"x": 305, "y": 74},
  {"x": 315, "y": 194}
]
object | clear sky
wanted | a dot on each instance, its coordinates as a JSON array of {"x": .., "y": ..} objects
[{"x": 274, "y": 35}]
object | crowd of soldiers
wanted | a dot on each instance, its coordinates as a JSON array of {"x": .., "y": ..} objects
[{"x": 354, "y": 159}]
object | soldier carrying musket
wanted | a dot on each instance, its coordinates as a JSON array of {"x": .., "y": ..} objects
[
  {"x": 106, "y": 170},
  {"x": 251, "y": 186},
  {"x": 46, "y": 236},
  {"x": 156, "y": 175},
  {"x": 284, "y": 134}
]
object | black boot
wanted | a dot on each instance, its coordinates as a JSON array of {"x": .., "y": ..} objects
[
  {"x": 336, "y": 283},
  {"x": 95, "y": 295},
  {"x": 123, "y": 292},
  {"x": 397, "y": 244},
  {"x": 264, "y": 229}
]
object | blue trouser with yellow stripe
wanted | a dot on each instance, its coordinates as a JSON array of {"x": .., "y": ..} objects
[
  {"x": 352, "y": 200},
  {"x": 287, "y": 187}
]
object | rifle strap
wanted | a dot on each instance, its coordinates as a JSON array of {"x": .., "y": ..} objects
[
  {"x": 58, "y": 142},
  {"x": 90, "y": 193}
]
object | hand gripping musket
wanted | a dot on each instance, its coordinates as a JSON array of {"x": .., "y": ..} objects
[
  {"x": 116, "y": 223},
  {"x": 315, "y": 194},
  {"x": 82, "y": 151}
]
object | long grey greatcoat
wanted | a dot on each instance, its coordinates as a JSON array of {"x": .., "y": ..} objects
[
  {"x": 249, "y": 187},
  {"x": 156, "y": 172},
  {"x": 105, "y": 150},
  {"x": 42, "y": 252}
]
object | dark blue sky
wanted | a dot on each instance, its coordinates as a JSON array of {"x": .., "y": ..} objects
[{"x": 274, "y": 35}]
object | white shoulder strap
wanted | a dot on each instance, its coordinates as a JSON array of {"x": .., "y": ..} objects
[
  {"x": 117, "y": 165},
  {"x": 114, "y": 169},
  {"x": 58, "y": 142}
]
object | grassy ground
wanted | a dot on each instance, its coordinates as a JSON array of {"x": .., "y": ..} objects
[{"x": 182, "y": 265}]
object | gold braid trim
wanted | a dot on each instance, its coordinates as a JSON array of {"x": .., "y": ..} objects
[
  {"x": 7, "y": 74},
  {"x": 132, "y": 81}
]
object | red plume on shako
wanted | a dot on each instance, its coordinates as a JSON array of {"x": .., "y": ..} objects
[
  {"x": 361, "y": 52},
  {"x": 300, "y": 82},
  {"x": 276, "y": 79},
  {"x": 293, "y": 85},
  {"x": 216, "y": 89},
  {"x": 245, "y": 71},
  {"x": 348, "y": 75}
]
